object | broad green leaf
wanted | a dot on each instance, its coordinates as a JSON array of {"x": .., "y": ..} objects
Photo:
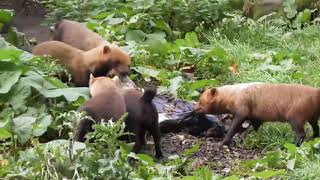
[
  {"x": 4, "y": 134},
  {"x": 146, "y": 158},
  {"x": 161, "y": 24},
  {"x": 192, "y": 39},
  {"x": 55, "y": 82},
  {"x": 70, "y": 94},
  {"x": 6, "y": 15},
  {"x": 175, "y": 84},
  {"x": 18, "y": 95},
  {"x": 135, "y": 18},
  {"x": 217, "y": 52},
  {"x": 291, "y": 148},
  {"x": 16, "y": 38},
  {"x": 22, "y": 127},
  {"x": 114, "y": 21},
  {"x": 6, "y": 116},
  {"x": 203, "y": 83},
  {"x": 146, "y": 71},
  {"x": 41, "y": 126},
  {"x": 10, "y": 53},
  {"x": 304, "y": 17},
  {"x": 268, "y": 174},
  {"x": 135, "y": 35},
  {"x": 291, "y": 164},
  {"x": 48, "y": 90},
  {"x": 63, "y": 146},
  {"x": 8, "y": 77},
  {"x": 156, "y": 43},
  {"x": 101, "y": 15}
]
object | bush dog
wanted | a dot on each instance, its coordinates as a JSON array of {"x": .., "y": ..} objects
[
  {"x": 98, "y": 61},
  {"x": 106, "y": 103},
  {"x": 142, "y": 117},
  {"x": 76, "y": 35},
  {"x": 258, "y": 102},
  {"x": 79, "y": 36}
]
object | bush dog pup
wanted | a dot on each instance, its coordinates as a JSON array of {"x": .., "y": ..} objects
[
  {"x": 76, "y": 35},
  {"x": 98, "y": 61},
  {"x": 106, "y": 103},
  {"x": 259, "y": 102},
  {"x": 142, "y": 117}
]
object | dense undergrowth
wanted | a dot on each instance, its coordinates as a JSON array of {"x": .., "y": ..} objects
[{"x": 183, "y": 46}]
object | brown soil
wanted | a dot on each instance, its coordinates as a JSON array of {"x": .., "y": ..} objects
[{"x": 220, "y": 160}]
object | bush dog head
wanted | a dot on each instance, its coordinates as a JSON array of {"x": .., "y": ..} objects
[
  {"x": 109, "y": 57},
  {"x": 259, "y": 102}
]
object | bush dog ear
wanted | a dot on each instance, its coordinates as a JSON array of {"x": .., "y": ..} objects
[
  {"x": 91, "y": 79},
  {"x": 106, "y": 49},
  {"x": 213, "y": 91}
]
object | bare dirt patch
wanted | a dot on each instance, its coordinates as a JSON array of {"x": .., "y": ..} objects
[{"x": 29, "y": 16}]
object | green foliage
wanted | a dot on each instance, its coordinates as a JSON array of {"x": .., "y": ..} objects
[
  {"x": 183, "y": 46},
  {"x": 301, "y": 162}
]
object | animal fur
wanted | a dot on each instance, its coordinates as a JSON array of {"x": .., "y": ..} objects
[
  {"x": 98, "y": 61},
  {"x": 142, "y": 117},
  {"x": 77, "y": 35},
  {"x": 259, "y": 102},
  {"x": 106, "y": 103}
]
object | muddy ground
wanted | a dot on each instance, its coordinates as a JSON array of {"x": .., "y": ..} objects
[{"x": 28, "y": 19}]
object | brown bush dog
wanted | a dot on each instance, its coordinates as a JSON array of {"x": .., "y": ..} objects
[
  {"x": 76, "y": 35},
  {"x": 259, "y": 102},
  {"x": 79, "y": 36},
  {"x": 98, "y": 61},
  {"x": 142, "y": 117},
  {"x": 106, "y": 103}
]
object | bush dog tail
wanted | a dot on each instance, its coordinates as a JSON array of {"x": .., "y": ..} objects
[{"x": 149, "y": 94}]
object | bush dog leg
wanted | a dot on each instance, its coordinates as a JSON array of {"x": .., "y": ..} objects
[
  {"x": 156, "y": 138},
  {"x": 236, "y": 124}
]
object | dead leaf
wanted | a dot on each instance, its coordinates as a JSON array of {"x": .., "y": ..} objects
[
  {"x": 234, "y": 68},
  {"x": 188, "y": 69}
]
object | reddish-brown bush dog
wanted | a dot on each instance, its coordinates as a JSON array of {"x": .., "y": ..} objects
[
  {"x": 98, "y": 61},
  {"x": 79, "y": 36},
  {"x": 259, "y": 102}
]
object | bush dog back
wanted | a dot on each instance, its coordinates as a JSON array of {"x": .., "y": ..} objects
[
  {"x": 258, "y": 102},
  {"x": 76, "y": 35}
]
